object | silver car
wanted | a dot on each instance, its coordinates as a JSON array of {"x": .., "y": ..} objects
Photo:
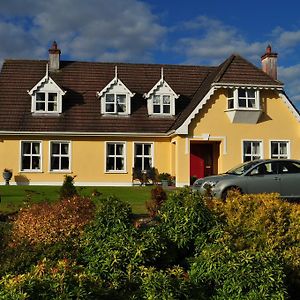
[{"x": 259, "y": 176}]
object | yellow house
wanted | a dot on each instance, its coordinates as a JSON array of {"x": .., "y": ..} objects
[{"x": 98, "y": 121}]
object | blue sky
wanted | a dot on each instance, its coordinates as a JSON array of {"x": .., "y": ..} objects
[{"x": 155, "y": 31}]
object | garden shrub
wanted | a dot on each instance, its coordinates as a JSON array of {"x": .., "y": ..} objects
[
  {"x": 50, "y": 223},
  {"x": 263, "y": 223},
  {"x": 47, "y": 280},
  {"x": 183, "y": 216},
  {"x": 114, "y": 249},
  {"x": 158, "y": 196},
  {"x": 171, "y": 283},
  {"x": 245, "y": 274},
  {"x": 68, "y": 189}
]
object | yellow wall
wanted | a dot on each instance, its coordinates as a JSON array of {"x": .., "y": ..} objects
[{"x": 87, "y": 160}]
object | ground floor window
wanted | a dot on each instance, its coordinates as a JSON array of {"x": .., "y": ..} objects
[
  {"x": 143, "y": 157},
  {"x": 59, "y": 156},
  {"x": 280, "y": 149},
  {"x": 115, "y": 156},
  {"x": 252, "y": 150},
  {"x": 31, "y": 156}
]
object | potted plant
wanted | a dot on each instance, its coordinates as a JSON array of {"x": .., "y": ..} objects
[
  {"x": 164, "y": 178},
  {"x": 7, "y": 174}
]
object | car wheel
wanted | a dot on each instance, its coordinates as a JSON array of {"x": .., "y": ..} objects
[{"x": 230, "y": 190}]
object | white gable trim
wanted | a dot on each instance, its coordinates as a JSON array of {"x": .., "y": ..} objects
[
  {"x": 184, "y": 128},
  {"x": 157, "y": 86},
  {"x": 288, "y": 103},
  {"x": 46, "y": 79}
]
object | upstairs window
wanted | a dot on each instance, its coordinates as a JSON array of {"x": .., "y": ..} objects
[
  {"x": 243, "y": 99},
  {"x": 162, "y": 104},
  {"x": 46, "y": 102},
  {"x": 115, "y": 103}
]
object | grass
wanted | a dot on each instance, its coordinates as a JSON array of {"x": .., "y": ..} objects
[{"x": 15, "y": 197}]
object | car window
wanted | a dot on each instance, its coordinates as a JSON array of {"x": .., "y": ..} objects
[
  {"x": 263, "y": 169},
  {"x": 288, "y": 167}
]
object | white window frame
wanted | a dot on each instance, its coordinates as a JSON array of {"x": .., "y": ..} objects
[
  {"x": 261, "y": 149},
  {"x": 46, "y": 102},
  {"x": 288, "y": 149},
  {"x": 69, "y": 155},
  {"x": 142, "y": 156},
  {"x": 31, "y": 170},
  {"x": 124, "y": 157},
  {"x": 115, "y": 104},
  {"x": 234, "y": 100},
  {"x": 161, "y": 104}
]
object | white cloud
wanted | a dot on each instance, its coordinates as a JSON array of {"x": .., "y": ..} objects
[
  {"x": 291, "y": 77},
  {"x": 211, "y": 42},
  {"x": 90, "y": 29}
]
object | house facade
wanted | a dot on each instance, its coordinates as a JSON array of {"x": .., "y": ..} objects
[{"x": 98, "y": 121}]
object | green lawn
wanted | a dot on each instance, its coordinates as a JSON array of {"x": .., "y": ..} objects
[{"x": 14, "y": 197}]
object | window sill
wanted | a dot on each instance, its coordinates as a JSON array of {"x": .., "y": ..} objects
[
  {"x": 116, "y": 172},
  {"x": 31, "y": 171},
  {"x": 46, "y": 114},
  {"x": 243, "y": 115}
]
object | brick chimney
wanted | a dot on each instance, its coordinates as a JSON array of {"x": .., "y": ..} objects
[
  {"x": 54, "y": 55},
  {"x": 269, "y": 62}
]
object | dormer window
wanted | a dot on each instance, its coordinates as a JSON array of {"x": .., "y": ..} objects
[
  {"x": 46, "y": 96},
  {"x": 115, "y": 97},
  {"x": 46, "y": 102},
  {"x": 162, "y": 104},
  {"x": 161, "y": 98},
  {"x": 115, "y": 103},
  {"x": 243, "y": 105}
]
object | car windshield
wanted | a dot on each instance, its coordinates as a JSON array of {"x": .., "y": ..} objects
[{"x": 242, "y": 168}]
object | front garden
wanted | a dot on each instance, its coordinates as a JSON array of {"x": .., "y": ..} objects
[{"x": 92, "y": 246}]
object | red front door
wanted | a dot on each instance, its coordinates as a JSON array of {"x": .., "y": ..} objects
[{"x": 201, "y": 160}]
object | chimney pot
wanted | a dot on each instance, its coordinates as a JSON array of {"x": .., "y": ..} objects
[
  {"x": 269, "y": 62},
  {"x": 54, "y": 57}
]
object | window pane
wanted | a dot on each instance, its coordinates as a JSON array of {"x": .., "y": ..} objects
[
  {"x": 110, "y": 108},
  {"x": 242, "y": 93},
  {"x": 26, "y": 163},
  {"x": 110, "y": 149},
  {"x": 166, "y": 99},
  {"x": 119, "y": 163},
  {"x": 35, "y": 148},
  {"x": 40, "y": 96},
  {"x": 138, "y": 149},
  {"x": 121, "y": 108},
  {"x": 119, "y": 149},
  {"x": 52, "y": 97},
  {"x": 156, "y": 99},
  {"x": 251, "y": 93},
  {"x": 166, "y": 109},
  {"x": 230, "y": 103},
  {"x": 242, "y": 102},
  {"x": 55, "y": 148},
  {"x": 110, "y": 164},
  {"x": 230, "y": 93},
  {"x": 147, "y": 163},
  {"x": 65, "y": 149},
  {"x": 121, "y": 99},
  {"x": 40, "y": 106},
  {"x": 156, "y": 109},
  {"x": 110, "y": 98},
  {"x": 251, "y": 103},
  {"x": 147, "y": 149},
  {"x": 65, "y": 163},
  {"x": 54, "y": 163},
  {"x": 138, "y": 163},
  {"x": 35, "y": 162},
  {"x": 26, "y": 148}
]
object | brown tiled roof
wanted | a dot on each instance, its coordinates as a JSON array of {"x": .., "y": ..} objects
[{"x": 81, "y": 80}]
